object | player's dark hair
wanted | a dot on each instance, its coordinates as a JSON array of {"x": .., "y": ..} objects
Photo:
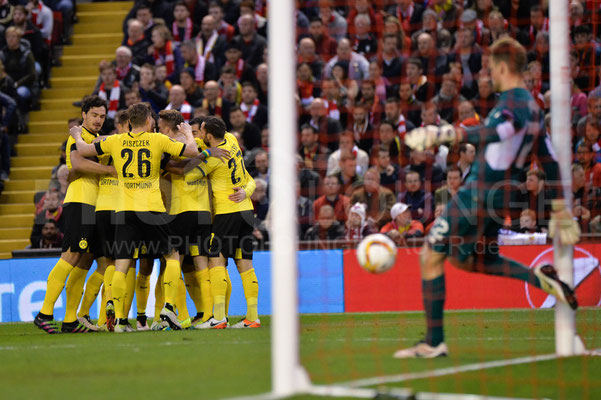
[
  {"x": 122, "y": 117},
  {"x": 138, "y": 114},
  {"x": 197, "y": 121},
  {"x": 511, "y": 52},
  {"x": 215, "y": 126},
  {"x": 92, "y": 101},
  {"x": 172, "y": 117}
]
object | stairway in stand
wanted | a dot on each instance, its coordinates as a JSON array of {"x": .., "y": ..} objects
[{"x": 95, "y": 37}]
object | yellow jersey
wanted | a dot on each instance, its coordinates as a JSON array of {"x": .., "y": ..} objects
[
  {"x": 85, "y": 188},
  {"x": 108, "y": 189},
  {"x": 190, "y": 192},
  {"x": 225, "y": 176},
  {"x": 137, "y": 158}
]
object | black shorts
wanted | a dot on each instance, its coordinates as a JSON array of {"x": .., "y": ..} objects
[
  {"x": 80, "y": 228},
  {"x": 191, "y": 232},
  {"x": 141, "y": 234},
  {"x": 232, "y": 235},
  {"x": 105, "y": 227}
]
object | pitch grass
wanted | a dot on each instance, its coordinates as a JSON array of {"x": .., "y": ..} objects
[{"x": 334, "y": 348}]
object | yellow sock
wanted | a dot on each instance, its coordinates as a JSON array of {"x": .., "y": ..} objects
[
  {"x": 228, "y": 292},
  {"x": 56, "y": 283},
  {"x": 74, "y": 289},
  {"x": 180, "y": 302},
  {"x": 119, "y": 289},
  {"x": 193, "y": 287},
  {"x": 91, "y": 293},
  {"x": 171, "y": 280},
  {"x": 218, "y": 290},
  {"x": 108, "y": 282},
  {"x": 130, "y": 285},
  {"x": 102, "y": 317},
  {"x": 142, "y": 291},
  {"x": 204, "y": 278},
  {"x": 159, "y": 295},
  {"x": 251, "y": 292}
]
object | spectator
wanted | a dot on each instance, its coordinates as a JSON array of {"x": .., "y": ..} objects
[
  {"x": 50, "y": 237},
  {"x": 402, "y": 226},
  {"x": 150, "y": 90},
  {"x": 419, "y": 200},
  {"x": 127, "y": 72},
  {"x": 260, "y": 200},
  {"x": 307, "y": 54},
  {"x": 347, "y": 145},
  {"x": 347, "y": 88},
  {"x": 392, "y": 112},
  {"x": 136, "y": 41},
  {"x": 348, "y": 171},
  {"x": 307, "y": 88},
  {"x": 111, "y": 89},
  {"x": 192, "y": 90},
  {"x": 32, "y": 34},
  {"x": 183, "y": 27},
  {"x": 538, "y": 23},
  {"x": 423, "y": 163},
  {"x": 411, "y": 108},
  {"x": 203, "y": 70},
  {"x": 444, "y": 194},
  {"x": 19, "y": 65},
  {"x": 261, "y": 170},
  {"x": 486, "y": 98},
  {"x": 247, "y": 7},
  {"x": 368, "y": 97},
  {"x": 594, "y": 113},
  {"x": 251, "y": 43},
  {"x": 327, "y": 227},
  {"x": 233, "y": 59},
  {"x": 466, "y": 113},
  {"x": 262, "y": 78},
  {"x": 51, "y": 208},
  {"x": 586, "y": 198},
  {"x": 363, "y": 130},
  {"x": 467, "y": 154},
  {"x": 409, "y": 14},
  {"x": 333, "y": 197},
  {"x": 469, "y": 54},
  {"x": 358, "y": 66},
  {"x": 314, "y": 155},
  {"x": 448, "y": 98},
  {"x": 254, "y": 111},
  {"x": 357, "y": 226},
  {"x": 392, "y": 26},
  {"x": 364, "y": 40},
  {"x": 215, "y": 104},
  {"x": 325, "y": 45},
  {"x": 390, "y": 58},
  {"x": 592, "y": 169},
  {"x": 391, "y": 141},
  {"x": 381, "y": 83},
  {"x": 536, "y": 197},
  {"x": 438, "y": 210},
  {"x": 422, "y": 89},
  {"x": 230, "y": 87},
  {"x": 223, "y": 28},
  {"x": 143, "y": 14},
  {"x": 334, "y": 22},
  {"x": 592, "y": 138},
  {"x": 209, "y": 43},
  {"x": 378, "y": 199},
  {"x": 434, "y": 62},
  {"x": 164, "y": 52},
  {"x": 42, "y": 18},
  {"x": 328, "y": 128},
  {"x": 177, "y": 97},
  {"x": 389, "y": 172},
  {"x": 249, "y": 132},
  {"x": 7, "y": 107}
]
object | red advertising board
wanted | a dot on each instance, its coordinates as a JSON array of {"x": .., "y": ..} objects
[{"x": 400, "y": 288}]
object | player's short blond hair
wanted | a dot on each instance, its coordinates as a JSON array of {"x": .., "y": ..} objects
[{"x": 511, "y": 52}]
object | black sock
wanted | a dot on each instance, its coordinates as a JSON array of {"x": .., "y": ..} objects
[
  {"x": 45, "y": 316},
  {"x": 169, "y": 307},
  {"x": 433, "y": 292}
]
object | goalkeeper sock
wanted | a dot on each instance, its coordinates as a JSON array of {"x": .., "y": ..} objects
[
  {"x": 91, "y": 293},
  {"x": 205, "y": 293},
  {"x": 108, "y": 281},
  {"x": 228, "y": 292},
  {"x": 251, "y": 292},
  {"x": 180, "y": 302},
  {"x": 159, "y": 295},
  {"x": 433, "y": 292},
  {"x": 74, "y": 289},
  {"x": 130, "y": 284},
  {"x": 171, "y": 280},
  {"x": 218, "y": 289},
  {"x": 503, "y": 266},
  {"x": 56, "y": 283},
  {"x": 142, "y": 291},
  {"x": 193, "y": 288},
  {"x": 119, "y": 289}
]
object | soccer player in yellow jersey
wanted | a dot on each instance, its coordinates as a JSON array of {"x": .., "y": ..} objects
[
  {"x": 232, "y": 227},
  {"x": 140, "y": 213},
  {"x": 80, "y": 232}
]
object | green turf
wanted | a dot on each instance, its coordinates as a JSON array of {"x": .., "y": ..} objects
[{"x": 334, "y": 348}]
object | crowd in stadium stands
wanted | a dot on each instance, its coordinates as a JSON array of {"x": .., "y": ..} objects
[{"x": 367, "y": 73}]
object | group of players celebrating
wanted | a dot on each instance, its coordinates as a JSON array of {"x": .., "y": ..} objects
[{"x": 116, "y": 213}]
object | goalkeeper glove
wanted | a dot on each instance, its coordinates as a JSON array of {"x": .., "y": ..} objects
[
  {"x": 431, "y": 135},
  {"x": 563, "y": 224}
]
